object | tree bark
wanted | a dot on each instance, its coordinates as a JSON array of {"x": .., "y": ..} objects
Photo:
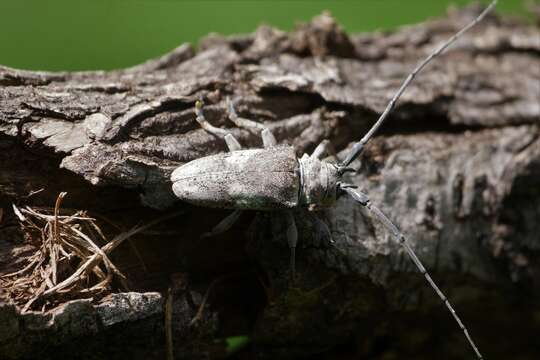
[{"x": 456, "y": 166}]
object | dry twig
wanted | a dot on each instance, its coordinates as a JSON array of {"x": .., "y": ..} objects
[{"x": 71, "y": 258}]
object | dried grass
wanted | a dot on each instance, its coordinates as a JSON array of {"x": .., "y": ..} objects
[{"x": 71, "y": 260}]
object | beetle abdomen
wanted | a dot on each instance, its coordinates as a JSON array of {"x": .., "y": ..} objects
[{"x": 258, "y": 179}]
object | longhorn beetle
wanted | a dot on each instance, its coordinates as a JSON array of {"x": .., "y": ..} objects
[{"x": 273, "y": 178}]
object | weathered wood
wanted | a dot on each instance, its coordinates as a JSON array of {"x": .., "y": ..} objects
[{"x": 457, "y": 166}]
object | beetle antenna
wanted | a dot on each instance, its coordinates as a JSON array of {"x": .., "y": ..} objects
[
  {"x": 357, "y": 147},
  {"x": 364, "y": 200}
]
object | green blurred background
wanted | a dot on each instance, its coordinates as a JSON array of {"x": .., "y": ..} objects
[{"x": 108, "y": 34}]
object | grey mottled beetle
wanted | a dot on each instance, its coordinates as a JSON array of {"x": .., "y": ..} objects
[{"x": 274, "y": 178}]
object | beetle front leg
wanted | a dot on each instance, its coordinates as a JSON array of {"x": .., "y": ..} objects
[
  {"x": 324, "y": 149},
  {"x": 292, "y": 239}
]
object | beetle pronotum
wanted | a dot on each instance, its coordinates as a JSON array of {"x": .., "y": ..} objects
[{"x": 273, "y": 178}]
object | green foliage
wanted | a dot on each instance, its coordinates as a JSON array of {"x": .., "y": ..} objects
[
  {"x": 236, "y": 343},
  {"x": 107, "y": 34}
]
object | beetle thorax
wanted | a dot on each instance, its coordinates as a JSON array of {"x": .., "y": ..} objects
[{"x": 317, "y": 182}]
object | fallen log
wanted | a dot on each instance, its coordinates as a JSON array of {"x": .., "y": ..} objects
[{"x": 457, "y": 167}]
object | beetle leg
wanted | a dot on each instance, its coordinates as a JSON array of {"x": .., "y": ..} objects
[
  {"x": 324, "y": 149},
  {"x": 224, "y": 224},
  {"x": 241, "y": 122},
  {"x": 321, "y": 150},
  {"x": 231, "y": 141},
  {"x": 268, "y": 138},
  {"x": 205, "y": 124},
  {"x": 292, "y": 239}
]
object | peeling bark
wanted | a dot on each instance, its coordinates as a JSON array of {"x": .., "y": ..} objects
[{"x": 457, "y": 167}]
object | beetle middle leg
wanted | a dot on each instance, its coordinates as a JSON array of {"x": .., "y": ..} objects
[
  {"x": 268, "y": 138},
  {"x": 233, "y": 145},
  {"x": 270, "y": 141},
  {"x": 231, "y": 141}
]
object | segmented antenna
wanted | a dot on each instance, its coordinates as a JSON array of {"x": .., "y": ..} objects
[
  {"x": 364, "y": 200},
  {"x": 357, "y": 147}
]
